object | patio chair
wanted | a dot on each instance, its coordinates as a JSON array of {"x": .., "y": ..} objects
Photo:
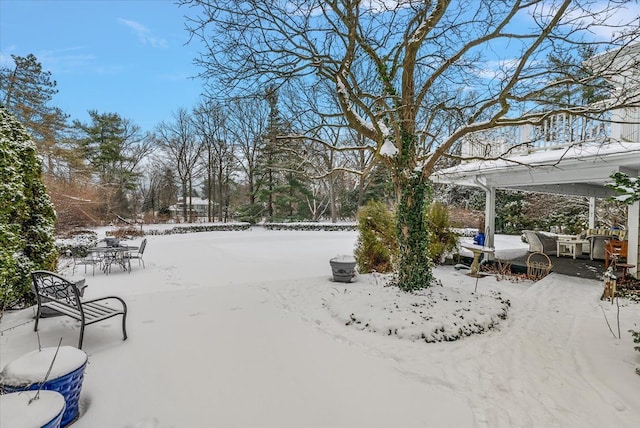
[
  {"x": 596, "y": 245},
  {"x": 138, "y": 255},
  {"x": 540, "y": 242},
  {"x": 614, "y": 251},
  {"x": 91, "y": 259}
]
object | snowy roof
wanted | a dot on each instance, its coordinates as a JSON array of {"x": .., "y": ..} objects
[{"x": 578, "y": 170}]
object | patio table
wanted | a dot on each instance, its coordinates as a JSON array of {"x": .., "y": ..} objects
[
  {"x": 569, "y": 247},
  {"x": 117, "y": 254}
]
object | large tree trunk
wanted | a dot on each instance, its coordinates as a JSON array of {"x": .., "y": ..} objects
[{"x": 414, "y": 267}]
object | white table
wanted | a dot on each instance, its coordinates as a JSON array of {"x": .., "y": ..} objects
[{"x": 569, "y": 247}]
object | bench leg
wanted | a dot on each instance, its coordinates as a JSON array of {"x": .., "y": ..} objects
[
  {"x": 81, "y": 336},
  {"x": 124, "y": 326}
]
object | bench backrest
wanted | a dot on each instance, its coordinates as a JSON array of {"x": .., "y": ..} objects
[
  {"x": 50, "y": 286},
  {"x": 621, "y": 234}
]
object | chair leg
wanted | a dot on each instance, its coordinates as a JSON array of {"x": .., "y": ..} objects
[
  {"x": 124, "y": 326},
  {"x": 35, "y": 327}
]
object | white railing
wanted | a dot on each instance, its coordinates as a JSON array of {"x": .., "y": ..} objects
[
  {"x": 557, "y": 131},
  {"x": 630, "y": 128}
]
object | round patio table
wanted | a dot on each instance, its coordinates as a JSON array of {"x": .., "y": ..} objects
[{"x": 116, "y": 255}]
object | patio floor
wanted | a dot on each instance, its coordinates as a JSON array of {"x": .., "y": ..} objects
[
  {"x": 511, "y": 249},
  {"x": 581, "y": 267}
]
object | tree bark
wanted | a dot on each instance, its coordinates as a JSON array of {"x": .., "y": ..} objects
[{"x": 414, "y": 267}]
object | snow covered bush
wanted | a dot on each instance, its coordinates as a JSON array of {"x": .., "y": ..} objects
[
  {"x": 636, "y": 339},
  {"x": 311, "y": 226},
  {"x": 27, "y": 216},
  {"x": 200, "y": 228},
  {"x": 377, "y": 244},
  {"x": 77, "y": 244}
]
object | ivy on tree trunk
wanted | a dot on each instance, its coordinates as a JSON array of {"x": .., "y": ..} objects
[{"x": 414, "y": 265}]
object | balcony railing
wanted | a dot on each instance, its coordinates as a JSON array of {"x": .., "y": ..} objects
[{"x": 556, "y": 132}]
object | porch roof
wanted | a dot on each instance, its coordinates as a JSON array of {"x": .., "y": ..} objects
[{"x": 581, "y": 170}]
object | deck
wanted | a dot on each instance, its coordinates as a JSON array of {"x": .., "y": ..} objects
[{"x": 511, "y": 249}]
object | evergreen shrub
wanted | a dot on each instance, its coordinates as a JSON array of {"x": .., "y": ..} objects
[
  {"x": 27, "y": 216},
  {"x": 442, "y": 238},
  {"x": 377, "y": 245}
]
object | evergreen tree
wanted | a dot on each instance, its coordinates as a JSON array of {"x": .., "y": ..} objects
[
  {"x": 26, "y": 91},
  {"x": 269, "y": 160},
  {"x": 113, "y": 148},
  {"x": 27, "y": 216},
  {"x": 282, "y": 183}
]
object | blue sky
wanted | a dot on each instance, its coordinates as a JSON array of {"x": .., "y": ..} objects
[{"x": 115, "y": 56}]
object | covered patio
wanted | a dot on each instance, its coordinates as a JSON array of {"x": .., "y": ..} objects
[{"x": 577, "y": 169}]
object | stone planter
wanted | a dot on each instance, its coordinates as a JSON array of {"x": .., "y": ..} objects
[
  {"x": 28, "y": 373},
  {"x": 343, "y": 268},
  {"x": 18, "y": 409}
]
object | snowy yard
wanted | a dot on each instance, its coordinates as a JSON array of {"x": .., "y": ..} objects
[{"x": 245, "y": 329}]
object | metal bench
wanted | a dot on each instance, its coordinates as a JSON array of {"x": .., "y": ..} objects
[{"x": 61, "y": 295}]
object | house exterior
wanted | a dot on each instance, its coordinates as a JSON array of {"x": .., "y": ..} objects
[
  {"x": 199, "y": 209},
  {"x": 565, "y": 154}
]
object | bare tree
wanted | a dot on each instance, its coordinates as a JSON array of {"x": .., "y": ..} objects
[
  {"x": 178, "y": 141},
  {"x": 421, "y": 60},
  {"x": 247, "y": 121},
  {"x": 210, "y": 121},
  {"x": 321, "y": 135},
  {"x": 161, "y": 190}
]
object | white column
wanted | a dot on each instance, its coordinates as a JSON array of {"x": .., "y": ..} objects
[
  {"x": 489, "y": 219},
  {"x": 592, "y": 212},
  {"x": 633, "y": 220}
]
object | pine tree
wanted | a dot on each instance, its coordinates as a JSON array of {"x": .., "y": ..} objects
[
  {"x": 26, "y": 91},
  {"x": 27, "y": 217},
  {"x": 113, "y": 147}
]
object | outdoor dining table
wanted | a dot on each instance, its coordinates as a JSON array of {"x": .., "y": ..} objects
[{"x": 116, "y": 254}]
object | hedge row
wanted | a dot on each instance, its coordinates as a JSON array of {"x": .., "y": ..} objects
[
  {"x": 200, "y": 228},
  {"x": 327, "y": 227},
  {"x": 78, "y": 245}
]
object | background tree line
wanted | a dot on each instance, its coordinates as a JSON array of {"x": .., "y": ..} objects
[
  {"x": 233, "y": 154},
  {"x": 229, "y": 153}
]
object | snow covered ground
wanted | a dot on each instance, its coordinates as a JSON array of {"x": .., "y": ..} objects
[{"x": 246, "y": 329}]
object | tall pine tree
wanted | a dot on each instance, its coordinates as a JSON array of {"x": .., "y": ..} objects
[{"x": 27, "y": 217}]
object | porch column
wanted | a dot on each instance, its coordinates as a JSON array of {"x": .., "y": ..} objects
[
  {"x": 489, "y": 219},
  {"x": 592, "y": 212},
  {"x": 633, "y": 220}
]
